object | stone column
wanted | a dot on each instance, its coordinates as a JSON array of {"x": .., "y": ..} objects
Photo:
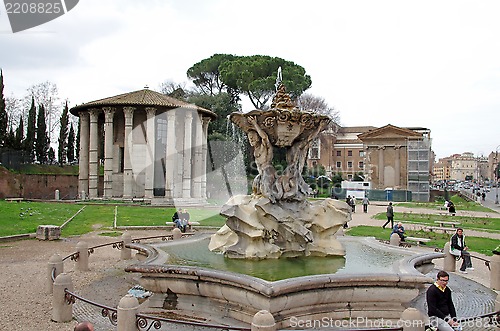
[
  {"x": 61, "y": 311},
  {"x": 397, "y": 166},
  {"x": 150, "y": 153},
  {"x": 127, "y": 153},
  {"x": 93, "y": 153},
  {"x": 83, "y": 174},
  {"x": 263, "y": 321},
  {"x": 199, "y": 166},
  {"x": 126, "y": 313},
  {"x": 108, "y": 151},
  {"x": 188, "y": 147},
  {"x": 206, "y": 120},
  {"x": 381, "y": 167},
  {"x": 495, "y": 272},
  {"x": 170, "y": 155},
  {"x": 82, "y": 263}
]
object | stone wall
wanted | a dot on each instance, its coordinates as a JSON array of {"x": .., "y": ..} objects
[{"x": 37, "y": 186}]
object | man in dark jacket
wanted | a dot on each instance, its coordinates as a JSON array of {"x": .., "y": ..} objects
[
  {"x": 440, "y": 306},
  {"x": 390, "y": 216},
  {"x": 458, "y": 248}
]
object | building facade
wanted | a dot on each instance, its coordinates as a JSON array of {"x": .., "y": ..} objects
[{"x": 147, "y": 145}]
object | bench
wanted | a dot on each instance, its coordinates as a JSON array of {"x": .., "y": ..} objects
[
  {"x": 14, "y": 199},
  {"x": 419, "y": 241},
  {"x": 444, "y": 223},
  {"x": 439, "y": 228},
  {"x": 442, "y": 208}
]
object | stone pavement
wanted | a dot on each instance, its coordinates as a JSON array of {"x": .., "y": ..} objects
[{"x": 471, "y": 292}]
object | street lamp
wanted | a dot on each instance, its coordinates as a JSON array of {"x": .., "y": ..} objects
[{"x": 496, "y": 175}]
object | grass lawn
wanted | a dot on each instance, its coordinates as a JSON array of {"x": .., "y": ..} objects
[
  {"x": 466, "y": 222},
  {"x": 476, "y": 244},
  {"x": 460, "y": 204},
  {"x": 24, "y": 217}
]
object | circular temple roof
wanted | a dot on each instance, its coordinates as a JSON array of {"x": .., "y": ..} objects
[{"x": 144, "y": 97}]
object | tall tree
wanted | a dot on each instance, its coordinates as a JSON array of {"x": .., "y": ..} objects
[
  {"x": 47, "y": 94},
  {"x": 255, "y": 77},
  {"x": 42, "y": 140},
  {"x": 206, "y": 75},
  {"x": 3, "y": 113},
  {"x": 71, "y": 144},
  {"x": 318, "y": 105},
  {"x": 51, "y": 155},
  {"x": 29, "y": 142},
  {"x": 19, "y": 140},
  {"x": 63, "y": 136}
]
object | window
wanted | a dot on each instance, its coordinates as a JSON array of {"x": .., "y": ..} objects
[
  {"x": 339, "y": 153},
  {"x": 360, "y": 165},
  {"x": 339, "y": 164},
  {"x": 361, "y": 153},
  {"x": 349, "y": 164},
  {"x": 314, "y": 150},
  {"x": 349, "y": 153}
]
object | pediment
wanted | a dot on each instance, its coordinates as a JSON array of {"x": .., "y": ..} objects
[{"x": 389, "y": 132}]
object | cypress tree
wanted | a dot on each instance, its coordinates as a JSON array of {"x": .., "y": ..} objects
[
  {"x": 51, "y": 156},
  {"x": 63, "y": 136},
  {"x": 3, "y": 113},
  {"x": 18, "y": 142},
  {"x": 71, "y": 144},
  {"x": 42, "y": 139},
  {"x": 29, "y": 142}
]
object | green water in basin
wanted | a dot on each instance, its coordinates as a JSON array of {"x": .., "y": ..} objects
[{"x": 359, "y": 258}]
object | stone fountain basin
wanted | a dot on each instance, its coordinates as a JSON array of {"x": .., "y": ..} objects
[{"x": 214, "y": 293}]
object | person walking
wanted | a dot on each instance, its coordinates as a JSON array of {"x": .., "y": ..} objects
[
  {"x": 366, "y": 202},
  {"x": 459, "y": 248},
  {"x": 390, "y": 216},
  {"x": 440, "y": 307}
]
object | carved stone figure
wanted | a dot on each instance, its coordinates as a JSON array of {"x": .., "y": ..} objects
[{"x": 277, "y": 220}]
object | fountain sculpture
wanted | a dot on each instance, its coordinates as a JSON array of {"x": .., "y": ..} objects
[{"x": 277, "y": 220}]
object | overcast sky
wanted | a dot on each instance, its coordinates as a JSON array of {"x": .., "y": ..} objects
[{"x": 433, "y": 64}]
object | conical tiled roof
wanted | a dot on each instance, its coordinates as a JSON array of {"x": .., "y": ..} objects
[{"x": 144, "y": 97}]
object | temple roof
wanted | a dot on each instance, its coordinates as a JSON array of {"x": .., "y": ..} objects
[{"x": 144, "y": 97}]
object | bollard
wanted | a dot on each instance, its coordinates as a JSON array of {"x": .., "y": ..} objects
[
  {"x": 82, "y": 264},
  {"x": 263, "y": 321},
  {"x": 55, "y": 267},
  {"x": 449, "y": 263},
  {"x": 176, "y": 233},
  {"x": 495, "y": 272},
  {"x": 127, "y": 310},
  {"x": 395, "y": 239},
  {"x": 126, "y": 253},
  {"x": 61, "y": 311},
  {"x": 56, "y": 195},
  {"x": 82, "y": 195},
  {"x": 412, "y": 319}
]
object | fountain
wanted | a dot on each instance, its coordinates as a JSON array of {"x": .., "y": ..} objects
[{"x": 277, "y": 220}]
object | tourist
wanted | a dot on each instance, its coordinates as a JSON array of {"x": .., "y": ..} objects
[
  {"x": 440, "y": 306},
  {"x": 400, "y": 230},
  {"x": 390, "y": 216},
  {"x": 84, "y": 326},
  {"x": 184, "y": 219},
  {"x": 459, "y": 248},
  {"x": 353, "y": 203},
  {"x": 176, "y": 218},
  {"x": 451, "y": 208},
  {"x": 366, "y": 202}
]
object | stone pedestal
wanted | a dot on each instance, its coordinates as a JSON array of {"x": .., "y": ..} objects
[{"x": 48, "y": 232}]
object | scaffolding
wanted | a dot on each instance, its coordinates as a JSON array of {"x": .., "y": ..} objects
[{"x": 419, "y": 155}]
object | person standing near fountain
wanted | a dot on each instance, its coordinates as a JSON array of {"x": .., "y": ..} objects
[
  {"x": 390, "y": 216},
  {"x": 440, "y": 307}
]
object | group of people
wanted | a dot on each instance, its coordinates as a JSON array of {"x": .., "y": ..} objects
[{"x": 181, "y": 219}]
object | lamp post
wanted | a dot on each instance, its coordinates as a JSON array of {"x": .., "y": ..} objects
[{"x": 496, "y": 175}]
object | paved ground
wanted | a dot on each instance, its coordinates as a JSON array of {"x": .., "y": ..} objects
[{"x": 26, "y": 306}]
